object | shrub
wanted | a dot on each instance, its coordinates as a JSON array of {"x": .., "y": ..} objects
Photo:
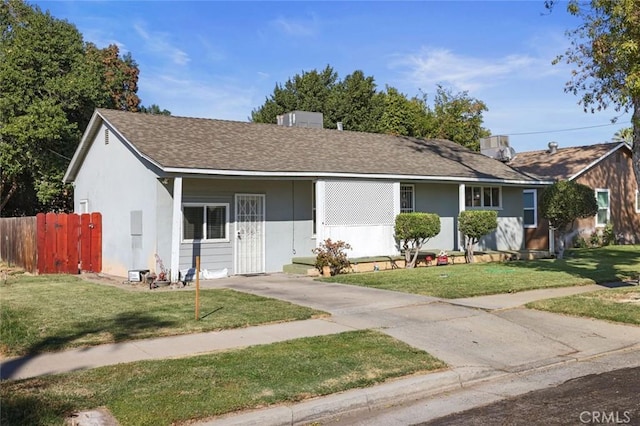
[
  {"x": 608, "y": 235},
  {"x": 580, "y": 242},
  {"x": 332, "y": 254},
  {"x": 412, "y": 230},
  {"x": 595, "y": 239},
  {"x": 475, "y": 224},
  {"x": 564, "y": 202}
]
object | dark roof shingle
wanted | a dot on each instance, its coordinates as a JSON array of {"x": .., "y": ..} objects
[
  {"x": 564, "y": 163},
  {"x": 206, "y": 144}
]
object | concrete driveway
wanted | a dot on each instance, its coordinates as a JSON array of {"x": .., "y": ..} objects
[{"x": 472, "y": 340}]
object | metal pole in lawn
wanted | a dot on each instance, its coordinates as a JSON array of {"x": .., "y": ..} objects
[{"x": 197, "y": 288}]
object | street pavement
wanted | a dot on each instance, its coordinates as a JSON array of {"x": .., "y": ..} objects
[{"x": 488, "y": 341}]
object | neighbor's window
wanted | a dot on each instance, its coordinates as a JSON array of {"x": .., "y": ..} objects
[
  {"x": 482, "y": 196},
  {"x": 530, "y": 214},
  {"x": 602, "y": 197},
  {"x": 637, "y": 201},
  {"x": 205, "y": 222},
  {"x": 407, "y": 204}
]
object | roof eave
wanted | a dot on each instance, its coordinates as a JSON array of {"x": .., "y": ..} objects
[
  {"x": 321, "y": 174},
  {"x": 596, "y": 161}
]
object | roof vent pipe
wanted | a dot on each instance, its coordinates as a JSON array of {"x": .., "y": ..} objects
[
  {"x": 339, "y": 124},
  {"x": 553, "y": 147}
]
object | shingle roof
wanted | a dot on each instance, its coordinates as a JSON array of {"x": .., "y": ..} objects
[
  {"x": 565, "y": 163},
  {"x": 205, "y": 144}
]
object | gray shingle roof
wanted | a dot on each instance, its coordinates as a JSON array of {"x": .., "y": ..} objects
[
  {"x": 205, "y": 144},
  {"x": 564, "y": 163}
]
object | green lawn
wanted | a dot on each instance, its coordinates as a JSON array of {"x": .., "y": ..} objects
[
  {"x": 618, "y": 305},
  {"x": 580, "y": 267},
  {"x": 177, "y": 390},
  {"x": 56, "y": 312}
]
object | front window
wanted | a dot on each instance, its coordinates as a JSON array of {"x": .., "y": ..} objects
[
  {"x": 530, "y": 214},
  {"x": 602, "y": 197},
  {"x": 482, "y": 196},
  {"x": 407, "y": 204},
  {"x": 205, "y": 222}
]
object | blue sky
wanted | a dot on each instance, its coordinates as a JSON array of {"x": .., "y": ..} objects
[{"x": 216, "y": 59}]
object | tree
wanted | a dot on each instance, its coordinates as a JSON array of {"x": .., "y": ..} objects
[
  {"x": 458, "y": 118},
  {"x": 50, "y": 84},
  {"x": 624, "y": 135},
  {"x": 356, "y": 103},
  {"x": 605, "y": 49},
  {"x": 154, "y": 109},
  {"x": 475, "y": 224},
  {"x": 413, "y": 230},
  {"x": 564, "y": 202},
  {"x": 309, "y": 91},
  {"x": 403, "y": 116}
]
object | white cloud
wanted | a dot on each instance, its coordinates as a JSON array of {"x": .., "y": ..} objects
[
  {"x": 157, "y": 42},
  {"x": 184, "y": 96},
  {"x": 296, "y": 27},
  {"x": 431, "y": 66}
]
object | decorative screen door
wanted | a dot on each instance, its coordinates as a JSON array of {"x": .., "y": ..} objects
[{"x": 249, "y": 244}]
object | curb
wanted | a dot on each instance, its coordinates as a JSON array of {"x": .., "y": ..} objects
[{"x": 400, "y": 391}]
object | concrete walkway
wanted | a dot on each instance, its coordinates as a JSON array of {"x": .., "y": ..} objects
[{"x": 479, "y": 338}]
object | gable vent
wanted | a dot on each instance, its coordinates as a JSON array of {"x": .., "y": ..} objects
[{"x": 106, "y": 136}]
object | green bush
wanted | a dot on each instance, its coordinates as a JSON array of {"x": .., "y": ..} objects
[
  {"x": 475, "y": 224},
  {"x": 332, "y": 254},
  {"x": 608, "y": 235},
  {"x": 412, "y": 230}
]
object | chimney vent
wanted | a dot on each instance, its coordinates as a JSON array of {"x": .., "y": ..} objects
[{"x": 553, "y": 147}]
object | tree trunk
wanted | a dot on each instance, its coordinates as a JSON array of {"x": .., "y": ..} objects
[
  {"x": 561, "y": 245},
  {"x": 468, "y": 251}
]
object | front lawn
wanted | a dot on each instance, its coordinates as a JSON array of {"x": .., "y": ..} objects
[
  {"x": 618, "y": 305},
  {"x": 177, "y": 390},
  {"x": 56, "y": 312},
  {"x": 580, "y": 267}
]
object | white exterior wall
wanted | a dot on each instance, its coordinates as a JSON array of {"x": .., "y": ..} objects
[{"x": 116, "y": 183}]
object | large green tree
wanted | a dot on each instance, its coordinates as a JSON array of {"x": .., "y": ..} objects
[
  {"x": 359, "y": 106},
  {"x": 458, "y": 117},
  {"x": 605, "y": 50},
  {"x": 50, "y": 83}
]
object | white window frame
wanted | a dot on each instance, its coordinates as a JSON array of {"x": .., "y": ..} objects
[
  {"x": 83, "y": 206},
  {"x": 534, "y": 208},
  {"x": 598, "y": 190},
  {"x": 205, "y": 207},
  {"x": 637, "y": 200},
  {"x": 482, "y": 206},
  {"x": 412, "y": 188}
]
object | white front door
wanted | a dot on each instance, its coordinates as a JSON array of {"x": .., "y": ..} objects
[{"x": 249, "y": 244}]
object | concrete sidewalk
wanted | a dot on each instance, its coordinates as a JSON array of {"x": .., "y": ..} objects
[{"x": 479, "y": 338}]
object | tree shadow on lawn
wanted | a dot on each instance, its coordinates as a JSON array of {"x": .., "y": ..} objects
[
  {"x": 608, "y": 267},
  {"x": 125, "y": 326}
]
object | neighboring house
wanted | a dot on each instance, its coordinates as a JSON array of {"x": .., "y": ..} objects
[
  {"x": 605, "y": 167},
  {"x": 249, "y": 197}
]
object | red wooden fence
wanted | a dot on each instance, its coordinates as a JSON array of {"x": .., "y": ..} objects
[{"x": 68, "y": 243}]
